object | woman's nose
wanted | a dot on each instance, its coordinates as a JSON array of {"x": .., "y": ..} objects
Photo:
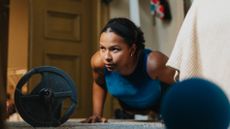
[{"x": 108, "y": 56}]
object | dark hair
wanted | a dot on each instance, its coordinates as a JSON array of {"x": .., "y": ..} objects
[{"x": 127, "y": 30}]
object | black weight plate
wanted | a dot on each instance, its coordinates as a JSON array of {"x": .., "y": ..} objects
[{"x": 42, "y": 107}]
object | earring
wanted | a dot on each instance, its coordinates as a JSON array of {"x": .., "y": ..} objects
[{"x": 131, "y": 54}]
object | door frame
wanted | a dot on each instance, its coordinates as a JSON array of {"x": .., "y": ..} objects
[{"x": 100, "y": 16}]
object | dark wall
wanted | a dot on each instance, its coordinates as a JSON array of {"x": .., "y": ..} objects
[
  {"x": 4, "y": 21},
  {"x": 2, "y": 125}
]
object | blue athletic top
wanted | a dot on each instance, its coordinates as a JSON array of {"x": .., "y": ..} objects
[{"x": 137, "y": 90}]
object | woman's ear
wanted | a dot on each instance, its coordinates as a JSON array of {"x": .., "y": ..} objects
[{"x": 133, "y": 49}]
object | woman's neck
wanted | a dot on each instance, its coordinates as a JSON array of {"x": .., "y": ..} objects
[{"x": 130, "y": 67}]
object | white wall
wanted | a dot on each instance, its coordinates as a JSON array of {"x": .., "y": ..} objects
[
  {"x": 148, "y": 25},
  {"x": 119, "y": 8},
  {"x": 166, "y": 33},
  {"x": 159, "y": 36}
]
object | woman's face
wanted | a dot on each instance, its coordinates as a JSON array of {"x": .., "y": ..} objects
[{"x": 114, "y": 51}]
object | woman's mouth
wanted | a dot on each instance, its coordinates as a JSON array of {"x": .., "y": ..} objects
[{"x": 110, "y": 67}]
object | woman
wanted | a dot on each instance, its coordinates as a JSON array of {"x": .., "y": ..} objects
[{"x": 128, "y": 71}]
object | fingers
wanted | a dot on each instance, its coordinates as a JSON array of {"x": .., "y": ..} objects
[
  {"x": 85, "y": 121},
  {"x": 104, "y": 120},
  {"x": 95, "y": 119}
]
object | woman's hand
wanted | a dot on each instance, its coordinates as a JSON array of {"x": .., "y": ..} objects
[{"x": 95, "y": 119}]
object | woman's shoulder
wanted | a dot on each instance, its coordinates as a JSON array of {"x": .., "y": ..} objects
[
  {"x": 155, "y": 62},
  {"x": 157, "y": 56},
  {"x": 96, "y": 61}
]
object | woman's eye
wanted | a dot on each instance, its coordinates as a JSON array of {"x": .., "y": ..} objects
[
  {"x": 102, "y": 48},
  {"x": 115, "y": 49}
]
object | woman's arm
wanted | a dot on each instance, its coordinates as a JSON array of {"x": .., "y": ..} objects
[
  {"x": 157, "y": 68},
  {"x": 99, "y": 91},
  {"x": 99, "y": 95}
]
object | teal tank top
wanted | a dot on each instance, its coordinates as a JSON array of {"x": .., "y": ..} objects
[{"x": 137, "y": 90}]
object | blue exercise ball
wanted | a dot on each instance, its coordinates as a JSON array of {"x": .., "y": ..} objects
[{"x": 195, "y": 104}]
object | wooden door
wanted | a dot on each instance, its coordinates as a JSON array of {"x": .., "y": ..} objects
[{"x": 62, "y": 34}]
